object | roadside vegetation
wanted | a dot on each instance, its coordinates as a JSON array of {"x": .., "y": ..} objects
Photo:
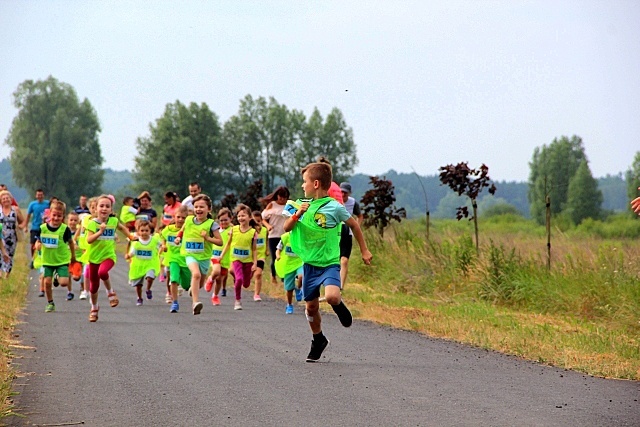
[
  {"x": 13, "y": 292},
  {"x": 581, "y": 315}
]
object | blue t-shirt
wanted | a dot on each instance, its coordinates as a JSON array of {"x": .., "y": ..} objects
[{"x": 37, "y": 210}]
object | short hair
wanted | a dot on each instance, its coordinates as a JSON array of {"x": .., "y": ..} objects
[
  {"x": 319, "y": 171},
  {"x": 39, "y": 190},
  {"x": 182, "y": 209},
  {"x": 143, "y": 223},
  {"x": 256, "y": 213},
  {"x": 127, "y": 199},
  {"x": 224, "y": 211},
  {"x": 72, "y": 213},
  {"x": 57, "y": 205},
  {"x": 194, "y": 184}
]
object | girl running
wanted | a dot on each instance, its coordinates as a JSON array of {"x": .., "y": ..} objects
[
  {"x": 220, "y": 270},
  {"x": 145, "y": 259},
  {"x": 262, "y": 252},
  {"x": 242, "y": 245},
  {"x": 101, "y": 253}
]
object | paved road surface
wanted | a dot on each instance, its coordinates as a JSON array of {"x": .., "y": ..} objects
[{"x": 142, "y": 366}]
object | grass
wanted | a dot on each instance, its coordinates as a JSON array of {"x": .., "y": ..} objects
[
  {"x": 13, "y": 293},
  {"x": 581, "y": 315}
]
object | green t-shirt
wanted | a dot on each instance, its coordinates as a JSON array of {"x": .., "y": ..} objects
[
  {"x": 169, "y": 234},
  {"x": 289, "y": 261}
]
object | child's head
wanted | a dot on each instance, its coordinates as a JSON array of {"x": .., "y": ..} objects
[
  {"x": 180, "y": 215},
  {"x": 93, "y": 205},
  {"x": 127, "y": 201},
  {"x": 104, "y": 206},
  {"x": 202, "y": 205},
  {"x": 224, "y": 217},
  {"x": 72, "y": 220},
  {"x": 57, "y": 211},
  {"x": 257, "y": 217},
  {"x": 243, "y": 213},
  {"x": 143, "y": 228},
  {"x": 317, "y": 176}
]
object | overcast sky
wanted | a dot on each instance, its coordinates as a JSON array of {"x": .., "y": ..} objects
[{"x": 422, "y": 83}]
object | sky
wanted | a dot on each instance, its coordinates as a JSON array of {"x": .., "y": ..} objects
[{"x": 421, "y": 83}]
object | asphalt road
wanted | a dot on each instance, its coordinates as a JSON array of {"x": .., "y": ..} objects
[{"x": 142, "y": 366}]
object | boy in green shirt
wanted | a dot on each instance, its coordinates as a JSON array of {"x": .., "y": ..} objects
[
  {"x": 315, "y": 237},
  {"x": 55, "y": 240}
]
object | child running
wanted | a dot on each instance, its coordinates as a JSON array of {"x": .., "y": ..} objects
[
  {"x": 55, "y": 241},
  {"x": 179, "y": 273},
  {"x": 289, "y": 268},
  {"x": 261, "y": 252},
  {"x": 315, "y": 237},
  {"x": 101, "y": 253},
  {"x": 196, "y": 240},
  {"x": 220, "y": 269},
  {"x": 75, "y": 267},
  {"x": 145, "y": 259},
  {"x": 242, "y": 245},
  {"x": 81, "y": 238}
]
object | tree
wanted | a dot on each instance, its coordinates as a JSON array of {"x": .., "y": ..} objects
[
  {"x": 252, "y": 196},
  {"x": 584, "y": 198},
  {"x": 54, "y": 141},
  {"x": 378, "y": 205},
  {"x": 552, "y": 167},
  {"x": 633, "y": 178},
  {"x": 470, "y": 182},
  {"x": 184, "y": 146}
]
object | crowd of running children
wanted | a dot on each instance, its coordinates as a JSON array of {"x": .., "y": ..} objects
[{"x": 189, "y": 250}]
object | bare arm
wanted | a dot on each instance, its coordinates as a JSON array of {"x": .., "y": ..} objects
[{"x": 352, "y": 223}]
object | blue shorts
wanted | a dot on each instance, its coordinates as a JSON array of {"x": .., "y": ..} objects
[
  {"x": 314, "y": 277},
  {"x": 204, "y": 264},
  {"x": 290, "y": 279}
]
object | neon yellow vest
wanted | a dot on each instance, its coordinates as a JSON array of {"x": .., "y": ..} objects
[
  {"x": 169, "y": 234},
  {"x": 193, "y": 244},
  {"x": 217, "y": 250},
  {"x": 242, "y": 244},
  {"x": 316, "y": 245},
  {"x": 126, "y": 215},
  {"x": 54, "y": 250},
  {"x": 289, "y": 261},
  {"x": 261, "y": 243},
  {"x": 105, "y": 247},
  {"x": 145, "y": 258}
]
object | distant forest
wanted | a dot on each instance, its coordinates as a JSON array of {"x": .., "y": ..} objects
[{"x": 409, "y": 193}]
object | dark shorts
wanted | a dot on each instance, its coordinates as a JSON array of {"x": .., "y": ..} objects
[
  {"x": 313, "y": 277},
  {"x": 346, "y": 242},
  {"x": 260, "y": 264},
  {"x": 33, "y": 236}
]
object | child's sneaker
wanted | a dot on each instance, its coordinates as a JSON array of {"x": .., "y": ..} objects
[
  {"x": 168, "y": 298},
  {"x": 317, "y": 347},
  {"x": 208, "y": 285},
  {"x": 256, "y": 298},
  {"x": 41, "y": 294},
  {"x": 237, "y": 305},
  {"x": 298, "y": 294},
  {"x": 56, "y": 283},
  {"x": 83, "y": 295},
  {"x": 70, "y": 296},
  {"x": 224, "y": 292},
  {"x": 289, "y": 309},
  {"x": 197, "y": 308},
  {"x": 343, "y": 314},
  {"x": 50, "y": 308},
  {"x": 139, "y": 302},
  {"x": 175, "y": 307},
  {"x": 149, "y": 294},
  {"x": 215, "y": 300},
  {"x": 162, "y": 277}
]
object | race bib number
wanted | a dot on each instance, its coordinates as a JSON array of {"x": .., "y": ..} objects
[
  {"x": 171, "y": 240},
  {"x": 144, "y": 254},
  {"x": 290, "y": 252},
  {"x": 241, "y": 253},
  {"x": 49, "y": 241},
  {"x": 144, "y": 217},
  {"x": 194, "y": 246},
  {"x": 108, "y": 234},
  {"x": 217, "y": 253},
  {"x": 260, "y": 242}
]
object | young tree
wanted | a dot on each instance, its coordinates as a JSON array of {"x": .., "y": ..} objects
[
  {"x": 54, "y": 140},
  {"x": 378, "y": 205},
  {"x": 552, "y": 167},
  {"x": 252, "y": 196},
  {"x": 464, "y": 180},
  {"x": 584, "y": 199},
  {"x": 184, "y": 146},
  {"x": 633, "y": 178}
]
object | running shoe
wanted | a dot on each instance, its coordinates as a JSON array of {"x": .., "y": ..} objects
[
  {"x": 149, "y": 294},
  {"x": 208, "y": 285},
  {"x": 343, "y": 314},
  {"x": 256, "y": 298},
  {"x": 197, "y": 308},
  {"x": 175, "y": 307},
  {"x": 224, "y": 292},
  {"x": 317, "y": 347},
  {"x": 56, "y": 283},
  {"x": 238, "y": 305},
  {"x": 70, "y": 296},
  {"x": 83, "y": 295},
  {"x": 41, "y": 294},
  {"x": 298, "y": 294},
  {"x": 162, "y": 277},
  {"x": 139, "y": 302},
  {"x": 168, "y": 299},
  {"x": 50, "y": 308},
  {"x": 289, "y": 309},
  {"x": 215, "y": 300}
]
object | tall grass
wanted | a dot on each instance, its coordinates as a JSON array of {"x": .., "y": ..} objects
[
  {"x": 583, "y": 314},
  {"x": 13, "y": 292}
]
